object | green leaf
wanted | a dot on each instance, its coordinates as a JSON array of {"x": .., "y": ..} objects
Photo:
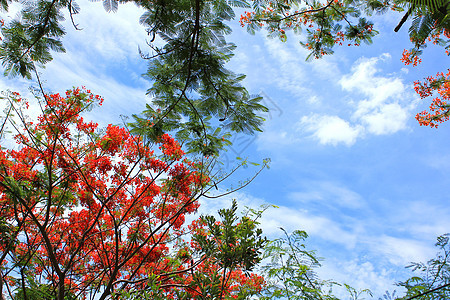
[{"x": 111, "y": 5}]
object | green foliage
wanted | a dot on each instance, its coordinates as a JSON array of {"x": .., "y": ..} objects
[
  {"x": 40, "y": 292},
  {"x": 8, "y": 236},
  {"x": 429, "y": 19},
  {"x": 28, "y": 41},
  {"x": 326, "y": 24},
  {"x": 291, "y": 271},
  {"x": 389, "y": 296},
  {"x": 232, "y": 241},
  {"x": 223, "y": 246},
  {"x": 189, "y": 80},
  {"x": 30, "y": 289},
  {"x": 434, "y": 279},
  {"x": 430, "y": 5},
  {"x": 357, "y": 294}
]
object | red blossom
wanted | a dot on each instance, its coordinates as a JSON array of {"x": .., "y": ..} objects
[
  {"x": 439, "y": 109},
  {"x": 100, "y": 207}
]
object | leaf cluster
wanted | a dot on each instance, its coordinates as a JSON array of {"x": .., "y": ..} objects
[
  {"x": 30, "y": 40},
  {"x": 233, "y": 242},
  {"x": 191, "y": 86},
  {"x": 291, "y": 270},
  {"x": 429, "y": 20},
  {"x": 325, "y": 24},
  {"x": 433, "y": 280},
  {"x": 344, "y": 22},
  {"x": 189, "y": 80}
]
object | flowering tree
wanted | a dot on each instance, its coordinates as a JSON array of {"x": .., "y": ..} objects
[
  {"x": 90, "y": 213},
  {"x": 439, "y": 110},
  {"x": 195, "y": 51}
]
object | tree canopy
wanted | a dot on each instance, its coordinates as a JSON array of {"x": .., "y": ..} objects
[
  {"x": 189, "y": 79},
  {"x": 101, "y": 213},
  {"x": 188, "y": 73},
  {"x": 93, "y": 214}
]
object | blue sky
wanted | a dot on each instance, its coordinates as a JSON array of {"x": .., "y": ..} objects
[{"x": 350, "y": 165}]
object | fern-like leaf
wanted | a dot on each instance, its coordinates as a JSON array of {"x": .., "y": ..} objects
[
  {"x": 239, "y": 3},
  {"x": 429, "y": 5},
  {"x": 110, "y": 5}
]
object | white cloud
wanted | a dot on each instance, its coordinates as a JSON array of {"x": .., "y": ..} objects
[
  {"x": 359, "y": 274},
  {"x": 423, "y": 219},
  {"x": 389, "y": 118},
  {"x": 319, "y": 226},
  {"x": 103, "y": 57},
  {"x": 113, "y": 36},
  {"x": 276, "y": 139},
  {"x": 289, "y": 74},
  {"x": 385, "y": 108},
  {"x": 402, "y": 251},
  {"x": 328, "y": 194},
  {"x": 314, "y": 99},
  {"x": 330, "y": 129}
]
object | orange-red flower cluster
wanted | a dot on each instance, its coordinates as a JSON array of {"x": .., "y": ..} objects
[
  {"x": 439, "y": 109},
  {"x": 410, "y": 57},
  {"x": 96, "y": 207}
]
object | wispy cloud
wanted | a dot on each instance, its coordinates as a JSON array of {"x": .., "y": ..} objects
[
  {"x": 110, "y": 36},
  {"x": 327, "y": 194},
  {"x": 290, "y": 74},
  {"x": 360, "y": 274},
  {"x": 401, "y": 251}
]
